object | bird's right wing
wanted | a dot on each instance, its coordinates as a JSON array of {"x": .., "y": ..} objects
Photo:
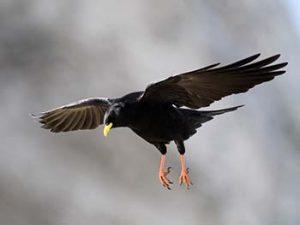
[
  {"x": 81, "y": 115},
  {"x": 200, "y": 88}
]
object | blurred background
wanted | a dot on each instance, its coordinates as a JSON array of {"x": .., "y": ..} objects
[{"x": 245, "y": 165}]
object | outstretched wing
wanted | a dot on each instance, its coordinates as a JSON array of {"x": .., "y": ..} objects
[
  {"x": 81, "y": 115},
  {"x": 202, "y": 87}
]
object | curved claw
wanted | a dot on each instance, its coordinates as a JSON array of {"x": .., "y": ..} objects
[
  {"x": 169, "y": 169},
  {"x": 164, "y": 179},
  {"x": 185, "y": 179}
]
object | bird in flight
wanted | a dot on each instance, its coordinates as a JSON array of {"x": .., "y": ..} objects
[{"x": 156, "y": 114}]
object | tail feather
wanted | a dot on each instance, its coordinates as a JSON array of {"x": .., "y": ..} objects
[
  {"x": 220, "y": 111},
  {"x": 196, "y": 118}
]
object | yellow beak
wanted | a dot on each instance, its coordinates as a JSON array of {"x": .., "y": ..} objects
[{"x": 107, "y": 129}]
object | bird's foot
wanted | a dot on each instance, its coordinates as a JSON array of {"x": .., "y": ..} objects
[
  {"x": 163, "y": 178},
  {"x": 185, "y": 179}
]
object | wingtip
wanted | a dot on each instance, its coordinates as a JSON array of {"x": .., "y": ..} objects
[
  {"x": 279, "y": 72},
  {"x": 212, "y": 66},
  {"x": 253, "y": 57},
  {"x": 33, "y": 115},
  {"x": 36, "y": 115},
  {"x": 275, "y": 57}
]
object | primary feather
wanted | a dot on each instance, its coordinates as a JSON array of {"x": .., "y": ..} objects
[
  {"x": 81, "y": 115},
  {"x": 200, "y": 88}
]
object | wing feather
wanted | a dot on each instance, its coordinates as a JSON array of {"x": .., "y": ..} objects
[
  {"x": 84, "y": 114},
  {"x": 88, "y": 119},
  {"x": 75, "y": 121},
  {"x": 200, "y": 88},
  {"x": 81, "y": 121},
  {"x": 69, "y": 122},
  {"x": 96, "y": 117}
]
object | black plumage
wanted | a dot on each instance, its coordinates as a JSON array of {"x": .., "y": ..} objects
[{"x": 156, "y": 114}]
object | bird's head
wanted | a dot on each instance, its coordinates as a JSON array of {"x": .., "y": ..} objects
[{"x": 113, "y": 117}]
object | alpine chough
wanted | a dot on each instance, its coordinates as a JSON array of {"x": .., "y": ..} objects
[{"x": 156, "y": 114}]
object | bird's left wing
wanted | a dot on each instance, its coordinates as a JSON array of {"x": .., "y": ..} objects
[
  {"x": 81, "y": 115},
  {"x": 202, "y": 87}
]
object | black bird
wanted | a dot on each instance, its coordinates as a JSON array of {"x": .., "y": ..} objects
[{"x": 156, "y": 114}]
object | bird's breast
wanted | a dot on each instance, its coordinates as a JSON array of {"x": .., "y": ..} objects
[{"x": 159, "y": 124}]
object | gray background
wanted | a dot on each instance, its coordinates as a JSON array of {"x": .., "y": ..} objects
[{"x": 245, "y": 165}]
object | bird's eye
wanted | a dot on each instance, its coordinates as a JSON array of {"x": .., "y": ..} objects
[{"x": 117, "y": 108}]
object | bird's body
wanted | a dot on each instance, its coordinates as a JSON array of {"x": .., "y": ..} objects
[
  {"x": 162, "y": 123},
  {"x": 159, "y": 123},
  {"x": 156, "y": 114}
]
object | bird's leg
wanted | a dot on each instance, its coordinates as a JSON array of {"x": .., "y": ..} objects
[
  {"x": 184, "y": 175},
  {"x": 162, "y": 174}
]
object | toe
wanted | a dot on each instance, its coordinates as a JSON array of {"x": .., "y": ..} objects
[
  {"x": 181, "y": 180},
  {"x": 168, "y": 170},
  {"x": 164, "y": 180},
  {"x": 185, "y": 179}
]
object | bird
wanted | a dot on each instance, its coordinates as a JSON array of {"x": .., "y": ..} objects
[{"x": 167, "y": 110}]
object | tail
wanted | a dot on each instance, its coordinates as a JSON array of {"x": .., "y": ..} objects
[
  {"x": 196, "y": 118},
  {"x": 220, "y": 111}
]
